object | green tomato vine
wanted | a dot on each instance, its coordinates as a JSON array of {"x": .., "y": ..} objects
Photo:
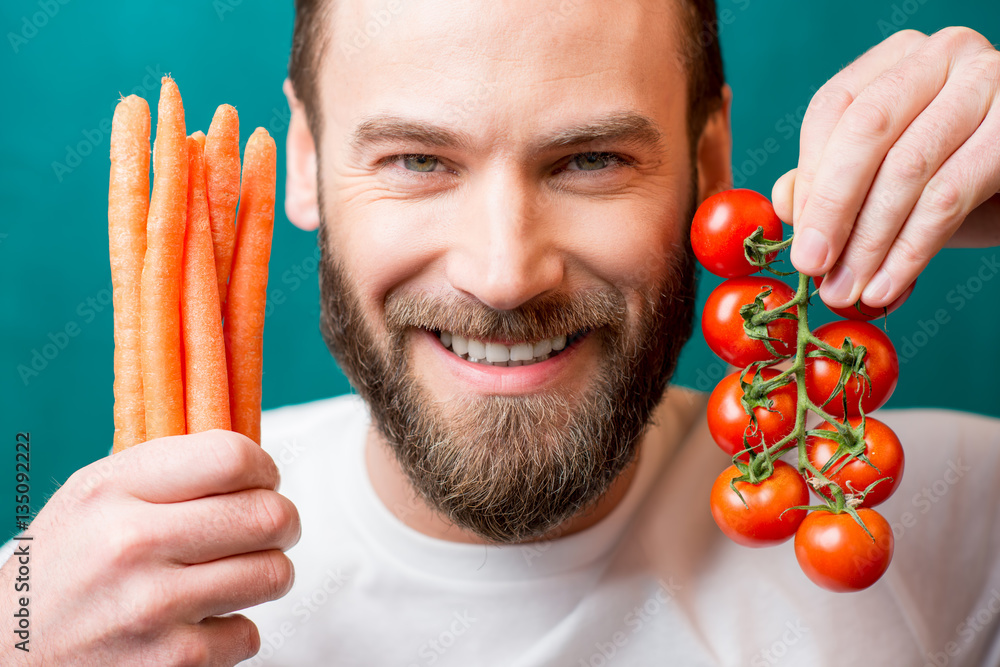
[{"x": 759, "y": 251}]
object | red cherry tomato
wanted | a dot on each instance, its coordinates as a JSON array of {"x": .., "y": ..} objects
[
  {"x": 881, "y": 364},
  {"x": 760, "y": 523},
  {"x": 722, "y": 324},
  {"x": 864, "y": 312},
  {"x": 721, "y": 224},
  {"x": 727, "y": 421},
  {"x": 882, "y": 448},
  {"x": 837, "y": 554}
]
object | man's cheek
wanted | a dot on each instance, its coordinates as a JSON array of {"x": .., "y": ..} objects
[
  {"x": 635, "y": 262},
  {"x": 387, "y": 241},
  {"x": 661, "y": 255}
]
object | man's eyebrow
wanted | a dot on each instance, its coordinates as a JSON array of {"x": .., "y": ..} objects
[
  {"x": 628, "y": 127},
  {"x": 381, "y": 129}
]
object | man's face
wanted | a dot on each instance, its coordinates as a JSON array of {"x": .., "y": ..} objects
[{"x": 514, "y": 175}]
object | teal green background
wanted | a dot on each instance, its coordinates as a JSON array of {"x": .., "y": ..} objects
[{"x": 62, "y": 78}]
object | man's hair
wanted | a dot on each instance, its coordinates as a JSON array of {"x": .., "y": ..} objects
[{"x": 700, "y": 55}]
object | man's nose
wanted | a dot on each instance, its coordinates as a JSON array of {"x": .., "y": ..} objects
[{"x": 507, "y": 251}]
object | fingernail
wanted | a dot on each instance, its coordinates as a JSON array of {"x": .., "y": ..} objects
[
  {"x": 878, "y": 288},
  {"x": 840, "y": 281},
  {"x": 810, "y": 250}
]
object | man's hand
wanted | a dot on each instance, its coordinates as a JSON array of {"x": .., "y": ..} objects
[
  {"x": 137, "y": 555},
  {"x": 896, "y": 151}
]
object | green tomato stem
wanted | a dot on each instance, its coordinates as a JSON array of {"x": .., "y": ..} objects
[
  {"x": 761, "y": 466},
  {"x": 803, "y": 405}
]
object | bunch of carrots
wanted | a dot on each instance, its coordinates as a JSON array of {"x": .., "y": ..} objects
[{"x": 189, "y": 285}]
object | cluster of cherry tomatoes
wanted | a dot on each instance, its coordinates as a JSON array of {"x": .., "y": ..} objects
[{"x": 840, "y": 372}]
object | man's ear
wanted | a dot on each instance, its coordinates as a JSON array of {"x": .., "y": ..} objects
[
  {"x": 301, "y": 197},
  {"x": 715, "y": 150}
]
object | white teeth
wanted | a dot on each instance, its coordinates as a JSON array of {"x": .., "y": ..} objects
[
  {"x": 495, "y": 352},
  {"x": 477, "y": 350},
  {"x": 521, "y": 352},
  {"x": 542, "y": 347}
]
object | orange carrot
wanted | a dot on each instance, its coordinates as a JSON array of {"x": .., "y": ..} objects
[
  {"x": 244, "y": 314},
  {"x": 206, "y": 391},
  {"x": 162, "y": 381},
  {"x": 198, "y": 136},
  {"x": 222, "y": 171},
  {"x": 128, "y": 205}
]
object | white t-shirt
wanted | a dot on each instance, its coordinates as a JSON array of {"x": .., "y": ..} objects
[{"x": 653, "y": 583}]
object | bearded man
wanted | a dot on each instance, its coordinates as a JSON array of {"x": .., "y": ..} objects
[{"x": 503, "y": 193}]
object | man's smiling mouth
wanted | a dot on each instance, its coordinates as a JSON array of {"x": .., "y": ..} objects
[{"x": 499, "y": 354}]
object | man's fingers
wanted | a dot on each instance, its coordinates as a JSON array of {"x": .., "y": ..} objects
[
  {"x": 222, "y": 641},
  {"x": 232, "y": 583},
  {"x": 862, "y": 137},
  {"x": 177, "y": 468},
  {"x": 832, "y": 100},
  {"x": 966, "y": 180},
  {"x": 782, "y": 194},
  {"x": 947, "y": 123},
  {"x": 218, "y": 526}
]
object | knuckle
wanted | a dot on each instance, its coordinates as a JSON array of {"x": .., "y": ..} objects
[
  {"x": 827, "y": 204},
  {"x": 130, "y": 541},
  {"x": 908, "y": 254},
  {"x": 192, "y": 651},
  {"x": 909, "y": 36},
  {"x": 943, "y": 199},
  {"x": 831, "y": 98},
  {"x": 909, "y": 164},
  {"x": 149, "y": 608},
  {"x": 232, "y": 454},
  {"x": 278, "y": 574},
  {"x": 86, "y": 485},
  {"x": 954, "y": 37},
  {"x": 870, "y": 119},
  {"x": 986, "y": 67},
  {"x": 881, "y": 205},
  {"x": 275, "y": 516},
  {"x": 865, "y": 243},
  {"x": 144, "y": 625}
]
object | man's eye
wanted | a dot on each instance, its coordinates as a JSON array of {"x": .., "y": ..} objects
[
  {"x": 593, "y": 161},
  {"x": 420, "y": 162}
]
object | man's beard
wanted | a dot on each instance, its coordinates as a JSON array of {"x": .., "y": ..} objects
[{"x": 511, "y": 468}]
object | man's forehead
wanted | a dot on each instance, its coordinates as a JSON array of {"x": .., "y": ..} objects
[
  {"x": 558, "y": 62},
  {"x": 516, "y": 23}
]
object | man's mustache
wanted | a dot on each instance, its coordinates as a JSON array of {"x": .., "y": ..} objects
[{"x": 546, "y": 316}]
